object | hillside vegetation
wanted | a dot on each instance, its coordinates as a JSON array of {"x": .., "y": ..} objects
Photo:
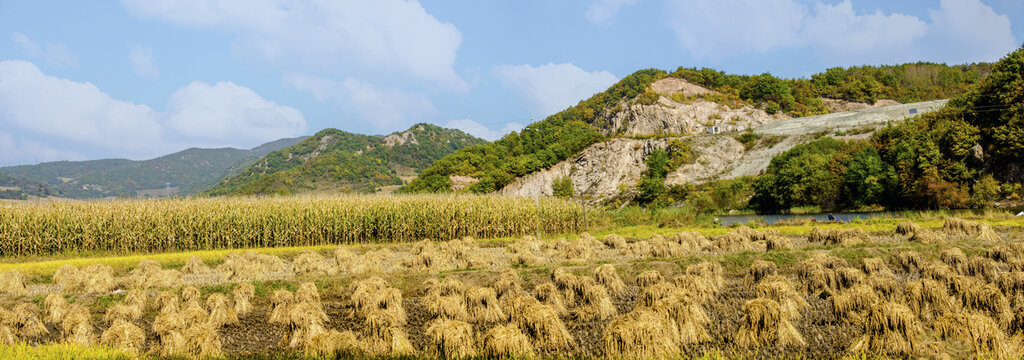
[
  {"x": 186, "y": 172},
  {"x": 17, "y": 188},
  {"x": 341, "y": 161},
  {"x": 547, "y": 142},
  {"x": 967, "y": 154}
]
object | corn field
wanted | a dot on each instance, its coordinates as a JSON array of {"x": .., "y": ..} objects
[{"x": 133, "y": 226}]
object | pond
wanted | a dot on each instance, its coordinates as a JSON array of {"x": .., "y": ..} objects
[{"x": 771, "y": 219}]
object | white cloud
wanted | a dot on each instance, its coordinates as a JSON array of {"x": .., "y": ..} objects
[
  {"x": 960, "y": 31},
  {"x": 391, "y": 36},
  {"x": 837, "y": 32},
  {"x": 550, "y": 88},
  {"x": 603, "y": 10},
  {"x": 27, "y": 45},
  {"x": 968, "y": 31},
  {"x": 141, "y": 58},
  {"x": 57, "y": 55},
  {"x": 23, "y": 151},
  {"x": 65, "y": 110},
  {"x": 723, "y": 28},
  {"x": 62, "y": 119},
  {"x": 227, "y": 111},
  {"x": 387, "y": 109},
  {"x": 479, "y": 130}
]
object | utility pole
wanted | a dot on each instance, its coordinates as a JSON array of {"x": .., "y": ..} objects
[
  {"x": 584, "y": 205},
  {"x": 536, "y": 202}
]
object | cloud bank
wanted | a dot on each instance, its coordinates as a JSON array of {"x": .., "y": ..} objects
[
  {"x": 481, "y": 131},
  {"x": 58, "y": 118},
  {"x": 959, "y": 31},
  {"x": 550, "y": 88},
  {"x": 385, "y": 108},
  {"x": 57, "y": 55},
  {"x": 391, "y": 36}
]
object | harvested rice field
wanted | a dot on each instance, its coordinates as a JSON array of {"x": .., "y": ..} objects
[{"x": 951, "y": 289}]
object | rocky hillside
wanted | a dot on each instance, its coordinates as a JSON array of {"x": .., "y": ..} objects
[
  {"x": 183, "y": 173},
  {"x": 671, "y": 107},
  {"x": 339, "y": 161},
  {"x": 611, "y": 167},
  {"x": 684, "y": 108}
]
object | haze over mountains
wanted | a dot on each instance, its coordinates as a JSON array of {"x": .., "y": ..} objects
[
  {"x": 182, "y": 173},
  {"x": 331, "y": 160}
]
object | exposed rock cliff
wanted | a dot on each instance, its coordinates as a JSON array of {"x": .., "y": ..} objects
[
  {"x": 667, "y": 116},
  {"x": 608, "y": 168}
]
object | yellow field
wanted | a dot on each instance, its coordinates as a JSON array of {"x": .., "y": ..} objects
[
  {"x": 149, "y": 226},
  {"x": 628, "y": 292},
  {"x": 48, "y": 264},
  {"x": 143, "y": 277},
  {"x": 60, "y": 351}
]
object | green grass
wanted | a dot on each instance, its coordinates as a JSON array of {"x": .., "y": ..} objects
[
  {"x": 104, "y": 301},
  {"x": 265, "y": 288}
]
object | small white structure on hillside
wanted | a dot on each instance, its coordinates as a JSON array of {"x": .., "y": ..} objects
[{"x": 714, "y": 129}]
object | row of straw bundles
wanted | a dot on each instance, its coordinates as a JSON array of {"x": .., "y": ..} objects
[{"x": 668, "y": 315}]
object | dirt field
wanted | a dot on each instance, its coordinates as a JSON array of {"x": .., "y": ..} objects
[{"x": 698, "y": 294}]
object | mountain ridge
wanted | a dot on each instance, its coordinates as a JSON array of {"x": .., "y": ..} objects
[
  {"x": 339, "y": 161},
  {"x": 185, "y": 172}
]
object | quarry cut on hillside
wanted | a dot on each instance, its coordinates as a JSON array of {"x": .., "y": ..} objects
[{"x": 608, "y": 168}]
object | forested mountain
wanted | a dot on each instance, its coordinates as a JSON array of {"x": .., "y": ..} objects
[
  {"x": 335, "y": 160},
  {"x": 183, "y": 173},
  {"x": 545, "y": 143},
  {"x": 968, "y": 154}
]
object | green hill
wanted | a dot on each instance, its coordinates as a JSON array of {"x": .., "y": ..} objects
[
  {"x": 545, "y": 143},
  {"x": 183, "y": 173},
  {"x": 17, "y": 188},
  {"x": 335, "y": 160},
  {"x": 967, "y": 154}
]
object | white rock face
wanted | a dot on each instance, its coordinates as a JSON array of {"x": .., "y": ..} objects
[
  {"x": 715, "y": 155},
  {"x": 602, "y": 169},
  {"x": 400, "y": 139},
  {"x": 598, "y": 171},
  {"x": 670, "y": 117},
  {"x": 670, "y": 86}
]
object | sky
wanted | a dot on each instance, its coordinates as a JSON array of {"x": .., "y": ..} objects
[{"x": 136, "y": 79}]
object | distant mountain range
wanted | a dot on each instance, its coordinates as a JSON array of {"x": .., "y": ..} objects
[
  {"x": 330, "y": 161},
  {"x": 186, "y": 172},
  {"x": 339, "y": 161}
]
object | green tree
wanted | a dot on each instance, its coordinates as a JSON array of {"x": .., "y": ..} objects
[
  {"x": 768, "y": 89},
  {"x": 562, "y": 187},
  {"x": 657, "y": 164},
  {"x": 868, "y": 180},
  {"x": 650, "y": 190},
  {"x": 985, "y": 192},
  {"x": 996, "y": 108},
  {"x": 804, "y": 175}
]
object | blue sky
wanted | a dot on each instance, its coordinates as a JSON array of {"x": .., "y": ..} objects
[{"x": 142, "y": 78}]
